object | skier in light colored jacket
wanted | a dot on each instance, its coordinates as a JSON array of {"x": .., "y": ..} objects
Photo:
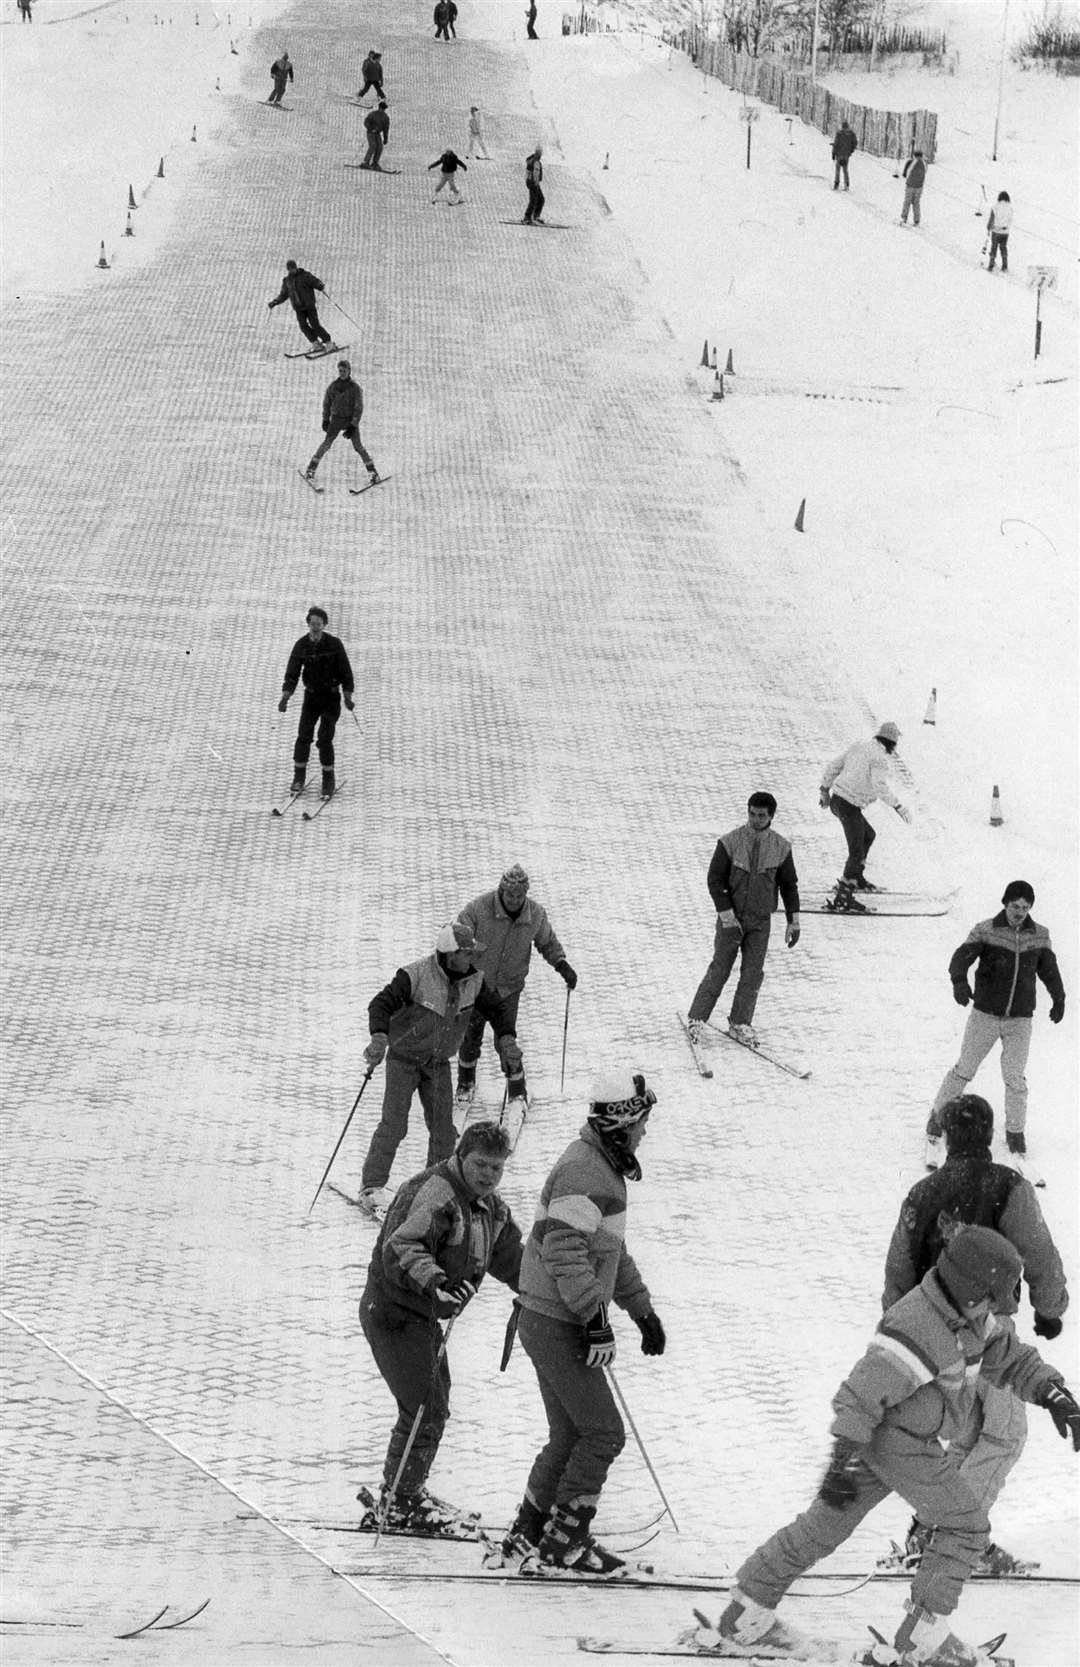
[{"x": 851, "y": 782}]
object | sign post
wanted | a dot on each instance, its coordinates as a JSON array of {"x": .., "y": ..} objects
[
  {"x": 1040, "y": 278},
  {"x": 749, "y": 115}
]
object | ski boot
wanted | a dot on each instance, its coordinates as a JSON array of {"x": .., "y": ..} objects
[
  {"x": 1015, "y": 1142},
  {"x": 746, "y": 1629},
  {"x": 863, "y": 884},
  {"x": 746, "y": 1034},
  {"x": 843, "y": 900},
  {"x": 374, "y": 476},
  {"x": 522, "y": 1538},
  {"x": 328, "y": 785},
  {"x": 696, "y": 1029},
  {"x": 309, "y": 472},
  {"x": 567, "y": 1545},
  {"x": 925, "y": 1640},
  {"x": 998, "y": 1564},
  {"x": 375, "y": 1201},
  {"x": 466, "y": 1087},
  {"x": 299, "y": 778}
]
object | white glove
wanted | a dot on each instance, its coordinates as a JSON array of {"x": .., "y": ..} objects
[{"x": 728, "y": 922}]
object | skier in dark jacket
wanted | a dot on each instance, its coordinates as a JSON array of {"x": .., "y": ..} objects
[
  {"x": 299, "y": 287},
  {"x": 844, "y": 147},
  {"x": 377, "y": 128},
  {"x": 448, "y": 164},
  {"x": 324, "y": 665},
  {"x": 343, "y": 406},
  {"x": 441, "y": 19},
  {"x": 281, "y": 71},
  {"x": 534, "y": 173},
  {"x": 373, "y": 74}
]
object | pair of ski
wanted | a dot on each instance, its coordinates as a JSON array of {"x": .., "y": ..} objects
[
  {"x": 369, "y": 168},
  {"x": 354, "y": 491},
  {"x": 883, "y": 905},
  {"x": 704, "y": 1640},
  {"x": 763, "y": 1053},
  {"x": 318, "y": 352},
  {"x": 308, "y": 815}
]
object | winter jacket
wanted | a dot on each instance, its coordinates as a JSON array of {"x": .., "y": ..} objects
[
  {"x": 508, "y": 940},
  {"x": 323, "y": 664},
  {"x": 973, "y": 1191},
  {"x": 343, "y": 404},
  {"x": 861, "y": 775},
  {"x": 575, "y": 1257},
  {"x": 1009, "y": 961},
  {"x": 449, "y": 162},
  {"x": 424, "y": 1011},
  {"x": 534, "y": 169},
  {"x": 1001, "y": 219},
  {"x": 914, "y": 173},
  {"x": 281, "y": 69},
  {"x": 441, "y": 14},
  {"x": 749, "y": 871},
  {"x": 378, "y": 122},
  {"x": 920, "y": 1371},
  {"x": 372, "y": 69},
  {"x": 436, "y": 1233},
  {"x": 844, "y": 145},
  {"x": 298, "y": 287}
]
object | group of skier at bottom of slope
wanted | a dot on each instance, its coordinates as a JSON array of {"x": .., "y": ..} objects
[{"x": 919, "y": 1414}]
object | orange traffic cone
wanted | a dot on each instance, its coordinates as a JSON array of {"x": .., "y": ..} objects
[
  {"x": 131, "y": 198},
  {"x": 718, "y": 385},
  {"x": 729, "y": 368},
  {"x": 606, "y": 155},
  {"x": 129, "y": 229},
  {"x": 799, "y": 517},
  {"x": 996, "y": 818},
  {"x": 931, "y": 708},
  {"x": 193, "y": 139},
  {"x": 102, "y": 262},
  {"x": 705, "y": 355}
]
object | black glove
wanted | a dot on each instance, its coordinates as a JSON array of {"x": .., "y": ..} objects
[
  {"x": 1057, "y": 1012},
  {"x": 823, "y": 798},
  {"x": 838, "y": 1485},
  {"x": 567, "y": 974},
  {"x": 1046, "y": 1327},
  {"x": 349, "y": 701},
  {"x": 1061, "y": 1405},
  {"x": 652, "y": 1334},
  {"x": 599, "y": 1339},
  {"x": 451, "y": 1299},
  {"x": 283, "y": 704},
  {"x": 961, "y": 995},
  {"x": 326, "y": 428}
]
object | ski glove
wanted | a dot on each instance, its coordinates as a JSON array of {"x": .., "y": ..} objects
[
  {"x": 1046, "y": 1327},
  {"x": 566, "y": 973},
  {"x": 1063, "y": 1409},
  {"x": 838, "y": 1485},
  {"x": 793, "y": 932},
  {"x": 728, "y": 923},
  {"x": 451, "y": 1299},
  {"x": 599, "y": 1339},
  {"x": 1057, "y": 1012},
  {"x": 823, "y": 798},
  {"x": 904, "y": 813},
  {"x": 349, "y": 702},
  {"x": 376, "y": 1049},
  {"x": 283, "y": 704},
  {"x": 961, "y": 995},
  {"x": 510, "y": 1054},
  {"x": 652, "y": 1333}
]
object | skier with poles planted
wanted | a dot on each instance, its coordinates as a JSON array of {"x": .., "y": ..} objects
[
  {"x": 446, "y": 1229},
  {"x": 299, "y": 287}
]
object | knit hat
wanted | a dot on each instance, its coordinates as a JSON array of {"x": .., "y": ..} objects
[
  {"x": 887, "y": 732},
  {"x": 457, "y": 937},
  {"x": 515, "y": 876},
  {"x": 968, "y": 1122},
  {"x": 977, "y": 1263},
  {"x": 1017, "y": 889},
  {"x": 619, "y": 1100}
]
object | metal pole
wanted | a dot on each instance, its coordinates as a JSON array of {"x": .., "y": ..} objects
[
  {"x": 814, "y": 46},
  {"x": 1038, "y": 320},
  {"x": 1001, "y": 78},
  {"x": 341, "y": 1137},
  {"x": 749, "y": 130},
  {"x": 565, "y": 1028},
  {"x": 613, "y": 1380},
  {"x": 388, "y": 1498}
]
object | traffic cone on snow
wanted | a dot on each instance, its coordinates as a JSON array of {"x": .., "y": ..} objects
[
  {"x": 712, "y": 362},
  {"x": 606, "y": 155},
  {"x": 131, "y": 198},
  {"x": 799, "y": 517},
  {"x": 705, "y": 355},
  {"x": 102, "y": 262},
  {"x": 217, "y": 85},
  {"x": 718, "y": 385},
  {"x": 129, "y": 229},
  {"x": 931, "y": 708},
  {"x": 996, "y": 818},
  {"x": 193, "y": 139},
  {"x": 161, "y": 169},
  {"x": 729, "y": 368}
]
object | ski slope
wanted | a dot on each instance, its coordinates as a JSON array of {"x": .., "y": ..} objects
[{"x": 584, "y": 628}]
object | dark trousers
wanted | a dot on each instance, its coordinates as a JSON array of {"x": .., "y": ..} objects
[
  {"x": 469, "y": 1051},
  {"x": 752, "y": 944},
  {"x": 858, "y": 833},
  {"x": 585, "y": 1431},
  {"x": 535, "y": 205},
  {"x": 374, "y": 86},
  {"x": 373, "y": 152},
  {"x": 999, "y": 245},
  {"x": 308, "y": 320},
  {"x": 279, "y": 90},
  {"x": 406, "y": 1346},
  {"x": 322, "y": 707},
  {"x": 353, "y": 436},
  {"x": 404, "y": 1078},
  {"x": 841, "y": 168},
  {"x": 442, "y": 33},
  {"x": 531, "y": 32}
]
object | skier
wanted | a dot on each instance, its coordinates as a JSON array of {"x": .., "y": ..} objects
[
  {"x": 751, "y": 867},
  {"x": 24, "y": 11},
  {"x": 449, "y": 162},
  {"x": 281, "y": 70},
  {"x": 914, "y": 180},
  {"x": 452, "y": 20},
  {"x": 476, "y": 135},
  {"x": 896, "y": 1413},
  {"x": 417, "y": 1021},
  {"x": 970, "y": 1189},
  {"x": 446, "y": 1229},
  {"x": 848, "y": 785},
  {"x": 441, "y": 19},
  {"x": 299, "y": 287},
  {"x": 998, "y": 228},
  {"x": 844, "y": 147},
  {"x": 534, "y": 173},
  {"x": 343, "y": 406},
  {"x": 530, "y": 22},
  {"x": 328, "y": 680},
  {"x": 377, "y": 128},
  {"x": 373, "y": 74},
  {"x": 575, "y": 1264},
  {"x": 1011, "y": 951},
  {"x": 509, "y": 923}
]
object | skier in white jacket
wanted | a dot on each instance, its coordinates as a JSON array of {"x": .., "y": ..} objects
[{"x": 851, "y": 782}]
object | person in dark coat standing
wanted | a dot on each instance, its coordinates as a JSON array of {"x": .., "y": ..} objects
[
  {"x": 530, "y": 21},
  {"x": 534, "y": 173},
  {"x": 281, "y": 71},
  {"x": 448, "y": 164},
  {"x": 441, "y": 19},
  {"x": 299, "y": 288},
  {"x": 343, "y": 406},
  {"x": 373, "y": 74},
  {"x": 844, "y": 147},
  {"x": 914, "y": 180},
  {"x": 324, "y": 665},
  {"x": 452, "y": 20},
  {"x": 377, "y": 128}
]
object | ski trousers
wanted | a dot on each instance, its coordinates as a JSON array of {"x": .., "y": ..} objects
[
  {"x": 322, "y": 707},
  {"x": 752, "y": 944},
  {"x": 999, "y": 245},
  {"x": 405, "y": 1346},
  {"x": 471, "y": 1042},
  {"x": 980, "y": 1033},
  {"x": 280, "y": 82},
  {"x": 447, "y": 179},
  {"x": 912, "y": 199},
  {"x": 840, "y": 168},
  {"x": 404, "y": 1078},
  {"x": 992, "y": 1441},
  {"x": 921, "y": 1472},
  {"x": 858, "y": 832},
  {"x": 308, "y": 320},
  {"x": 374, "y": 86},
  {"x": 373, "y": 152},
  {"x": 585, "y": 1432},
  {"x": 535, "y": 206}
]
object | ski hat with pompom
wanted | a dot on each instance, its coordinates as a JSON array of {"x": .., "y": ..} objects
[
  {"x": 515, "y": 876},
  {"x": 619, "y": 1099},
  {"x": 977, "y": 1263}
]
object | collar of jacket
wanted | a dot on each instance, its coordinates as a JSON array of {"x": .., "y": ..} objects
[
  {"x": 940, "y": 1300},
  {"x": 624, "y": 1163},
  {"x": 454, "y": 1173},
  {"x": 1026, "y": 925}
]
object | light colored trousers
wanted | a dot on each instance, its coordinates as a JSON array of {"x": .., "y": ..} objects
[{"x": 980, "y": 1034}]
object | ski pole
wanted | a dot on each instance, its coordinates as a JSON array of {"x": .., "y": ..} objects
[
  {"x": 367, "y": 1078},
  {"x": 565, "y": 1028},
  {"x": 388, "y": 1497},
  {"x": 641, "y": 1445},
  {"x": 340, "y": 309}
]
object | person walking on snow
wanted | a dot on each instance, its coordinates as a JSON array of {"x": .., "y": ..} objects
[
  {"x": 299, "y": 287},
  {"x": 377, "y": 128},
  {"x": 449, "y": 162},
  {"x": 373, "y": 73},
  {"x": 751, "y": 868},
  {"x": 850, "y": 783},
  {"x": 417, "y": 1022},
  {"x": 324, "y": 665},
  {"x": 441, "y": 19},
  {"x": 452, "y": 20},
  {"x": 476, "y": 135},
  {"x": 509, "y": 923},
  {"x": 445, "y": 1230},
  {"x": 897, "y": 1412},
  {"x": 1009, "y": 951},
  {"x": 998, "y": 228},
  {"x": 343, "y": 406},
  {"x": 575, "y": 1265},
  {"x": 971, "y": 1190},
  {"x": 530, "y": 22},
  {"x": 914, "y": 180},
  {"x": 25, "y": 12},
  {"x": 844, "y": 147},
  {"x": 281, "y": 71},
  {"x": 534, "y": 174}
]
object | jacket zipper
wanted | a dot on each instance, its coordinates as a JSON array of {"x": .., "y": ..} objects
[{"x": 1016, "y": 974}]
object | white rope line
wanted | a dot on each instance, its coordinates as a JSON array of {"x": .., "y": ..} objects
[{"x": 250, "y": 1504}]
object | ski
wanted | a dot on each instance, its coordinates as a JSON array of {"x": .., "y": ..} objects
[
  {"x": 358, "y": 491},
  {"x": 766, "y": 1054},
  {"x": 279, "y": 810},
  {"x": 324, "y": 349},
  {"x": 366, "y": 168},
  {"x": 699, "y": 1058},
  {"x": 1024, "y": 1166},
  {"x": 271, "y": 104},
  {"x": 924, "y": 909},
  {"x": 309, "y": 480},
  {"x": 902, "y": 1564},
  {"x": 310, "y": 815},
  {"x": 545, "y": 225},
  {"x": 373, "y": 1210}
]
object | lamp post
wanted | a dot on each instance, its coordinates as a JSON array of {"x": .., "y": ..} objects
[{"x": 1001, "y": 78}]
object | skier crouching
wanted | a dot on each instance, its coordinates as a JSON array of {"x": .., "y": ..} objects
[{"x": 896, "y": 1412}]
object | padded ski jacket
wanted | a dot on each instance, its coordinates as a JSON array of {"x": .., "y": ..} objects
[
  {"x": 861, "y": 775},
  {"x": 749, "y": 871},
  {"x": 324, "y": 665},
  {"x": 1001, "y": 219},
  {"x": 449, "y": 162},
  {"x": 424, "y": 1011},
  {"x": 508, "y": 940},
  {"x": 575, "y": 1256},
  {"x": 281, "y": 69},
  {"x": 298, "y": 287},
  {"x": 844, "y": 145},
  {"x": 920, "y": 1371},
  {"x": 534, "y": 169},
  {"x": 1009, "y": 959},
  {"x": 914, "y": 173},
  {"x": 973, "y": 1191},
  {"x": 343, "y": 404},
  {"x": 437, "y": 1233},
  {"x": 372, "y": 70}
]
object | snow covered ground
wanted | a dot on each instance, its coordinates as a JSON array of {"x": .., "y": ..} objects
[{"x": 585, "y": 628}]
